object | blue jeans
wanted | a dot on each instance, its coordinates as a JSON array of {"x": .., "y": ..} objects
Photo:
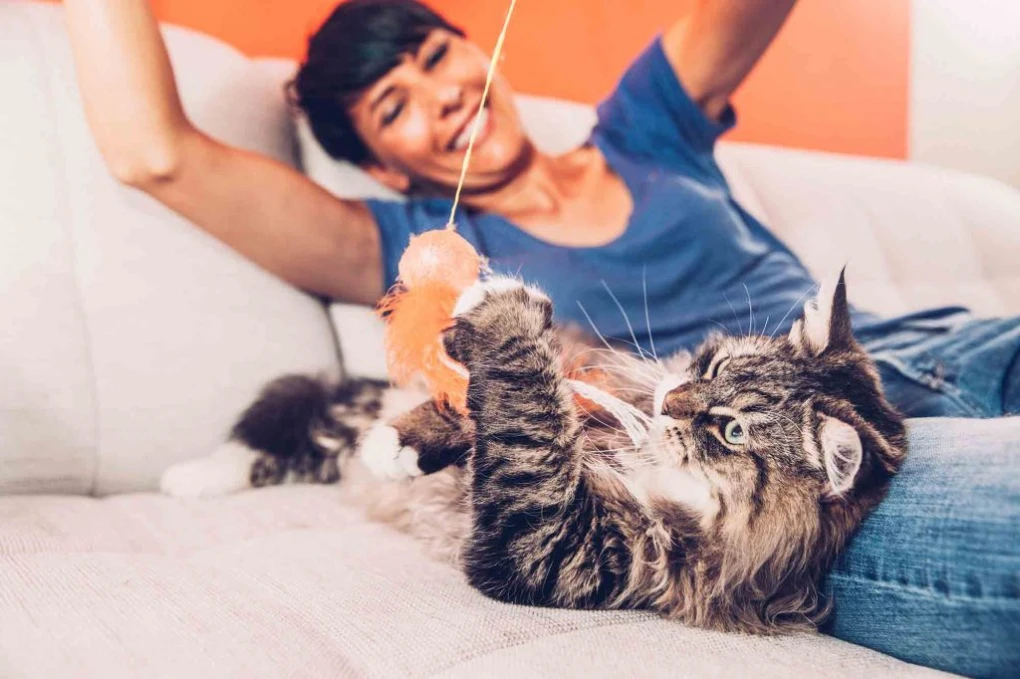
[{"x": 933, "y": 576}]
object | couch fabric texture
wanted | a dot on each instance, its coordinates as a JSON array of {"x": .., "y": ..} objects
[{"x": 290, "y": 582}]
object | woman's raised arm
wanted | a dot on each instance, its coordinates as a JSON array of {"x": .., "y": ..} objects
[{"x": 264, "y": 209}]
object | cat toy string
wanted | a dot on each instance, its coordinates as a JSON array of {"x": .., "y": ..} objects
[
  {"x": 481, "y": 106},
  {"x": 634, "y": 421}
]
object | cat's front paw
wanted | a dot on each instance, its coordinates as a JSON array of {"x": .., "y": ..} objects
[
  {"x": 499, "y": 308},
  {"x": 382, "y": 454},
  {"x": 489, "y": 289}
]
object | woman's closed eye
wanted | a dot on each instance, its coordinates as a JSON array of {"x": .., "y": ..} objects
[
  {"x": 435, "y": 56},
  {"x": 393, "y": 112}
]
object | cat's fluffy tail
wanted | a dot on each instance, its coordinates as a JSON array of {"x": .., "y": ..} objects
[{"x": 300, "y": 428}]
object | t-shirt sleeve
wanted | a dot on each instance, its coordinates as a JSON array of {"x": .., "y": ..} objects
[
  {"x": 650, "y": 114},
  {"x": 397, "y": 221}
]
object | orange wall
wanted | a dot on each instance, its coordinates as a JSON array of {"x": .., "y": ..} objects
[{"x": 835, "y": 79}]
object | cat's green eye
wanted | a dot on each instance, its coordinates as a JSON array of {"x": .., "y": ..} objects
[{"x": 734, "y": 433}]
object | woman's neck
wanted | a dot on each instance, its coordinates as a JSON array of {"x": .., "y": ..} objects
[{"x": 539, "y": 190}]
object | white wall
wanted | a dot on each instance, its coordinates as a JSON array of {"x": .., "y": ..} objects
[{"x": 965, "y": 86}]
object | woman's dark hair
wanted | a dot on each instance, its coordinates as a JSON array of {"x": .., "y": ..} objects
[{"x": 360, "y": 42}]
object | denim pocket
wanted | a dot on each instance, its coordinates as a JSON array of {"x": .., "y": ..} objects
[{"x": 922, "y": 385}]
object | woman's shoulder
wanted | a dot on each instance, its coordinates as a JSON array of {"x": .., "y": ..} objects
[{"x": 650, "y": 114}]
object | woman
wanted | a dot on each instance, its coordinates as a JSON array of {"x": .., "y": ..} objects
[{"x": 640, "y": 220}]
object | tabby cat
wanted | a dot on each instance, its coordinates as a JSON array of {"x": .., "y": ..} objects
[{"x": 763, "y": 457}]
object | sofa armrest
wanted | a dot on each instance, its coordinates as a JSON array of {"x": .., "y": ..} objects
[{"x": 359, "y": 334}]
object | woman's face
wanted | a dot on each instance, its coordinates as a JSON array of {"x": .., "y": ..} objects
[{"x": 417, "y": 119}]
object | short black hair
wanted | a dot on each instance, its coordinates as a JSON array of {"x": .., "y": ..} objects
[{"x": 360, "y": 42}]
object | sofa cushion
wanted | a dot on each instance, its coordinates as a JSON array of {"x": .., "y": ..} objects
[
  {"x": 913, "y": 236},
  {"x": 290, "y": 581},
  {"x": 130, "y": 339}
]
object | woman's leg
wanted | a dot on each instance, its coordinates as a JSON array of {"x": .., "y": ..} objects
[
  {"x": 951, "y": 367},
  {"x": 933, "y": 577}
]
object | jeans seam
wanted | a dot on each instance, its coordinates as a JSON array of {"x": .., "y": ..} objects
[
  {"x": 943, "y": 387},
  {"x": 892, "y": 584},
  {"x": 1005, "y": 387}
]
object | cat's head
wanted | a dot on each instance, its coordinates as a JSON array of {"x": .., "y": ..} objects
[{"x": 793, "y": 443}]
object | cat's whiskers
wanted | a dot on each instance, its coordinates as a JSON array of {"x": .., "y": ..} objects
[
  {"x": 648, "y": 320},
  {"x": 723, "y": 327},
  {"x": 740, "y": 326},
  {"x": 622, "y": 362},
  {"x": 647, "y": 379},
  {"x": 606, "y": 425},
  {"x": 626, "y": 319},
  {"x": 626, "y": 360},
  {"x": 620, "y": 377},
  {"x": 596, "y": 329},
  {"x": 790, "y": 310},
  {"x": 750, "y": 312}
]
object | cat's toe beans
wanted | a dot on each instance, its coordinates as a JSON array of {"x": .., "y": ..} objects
[{"x": 383, "y": 455}]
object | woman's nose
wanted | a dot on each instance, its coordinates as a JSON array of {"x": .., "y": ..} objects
[{"x": 449, "y": 98}]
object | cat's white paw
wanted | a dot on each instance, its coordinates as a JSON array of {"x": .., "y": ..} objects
[
  {"x": 380, "y": 451},
  {"x": 476, "y": 294},
  {"x": 226, "y": 471}
]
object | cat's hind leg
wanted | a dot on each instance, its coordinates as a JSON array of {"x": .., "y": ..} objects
[{"x": 299, "y": 429}]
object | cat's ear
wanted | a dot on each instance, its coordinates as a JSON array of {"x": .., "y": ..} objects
[
  {"x": 841, "y": 451},
  {"x": 825, "y": 324}
]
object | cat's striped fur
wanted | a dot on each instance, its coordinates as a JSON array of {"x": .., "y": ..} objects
[{"x": 544, "y": 503}]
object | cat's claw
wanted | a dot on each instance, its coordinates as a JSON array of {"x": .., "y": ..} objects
[
  {"x": 494, "y": 285},
  {"x": 381, "y": 453}
]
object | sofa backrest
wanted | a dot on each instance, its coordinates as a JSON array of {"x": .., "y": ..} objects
[{"x": 130, "y": 339}]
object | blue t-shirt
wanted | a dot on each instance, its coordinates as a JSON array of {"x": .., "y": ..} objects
[{"x": 690, "y": 255}]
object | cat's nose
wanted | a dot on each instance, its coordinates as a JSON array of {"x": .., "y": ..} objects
[{"x": 682, "y": 403}]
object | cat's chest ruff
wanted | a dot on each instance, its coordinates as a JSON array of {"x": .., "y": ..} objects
[{"x": 681, "y": 485}]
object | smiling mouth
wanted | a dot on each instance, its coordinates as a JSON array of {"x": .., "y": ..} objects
[{"x": 460, "y": 142}]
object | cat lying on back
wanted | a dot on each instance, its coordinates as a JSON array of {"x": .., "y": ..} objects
[{"x": 763, "y": 458}]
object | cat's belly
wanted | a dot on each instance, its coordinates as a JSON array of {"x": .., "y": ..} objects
[{"x": 432, "y": 508}]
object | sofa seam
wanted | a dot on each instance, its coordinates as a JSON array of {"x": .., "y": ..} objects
[{"x": 69, "y": 228}]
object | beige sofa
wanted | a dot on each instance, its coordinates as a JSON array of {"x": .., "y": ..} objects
[{"x": 129, "y": 340}]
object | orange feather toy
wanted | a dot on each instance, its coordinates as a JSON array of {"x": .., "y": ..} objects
[{"x": 434, "y": 270}]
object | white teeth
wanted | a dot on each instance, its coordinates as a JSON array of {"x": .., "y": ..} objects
[{"x": 464, "y": 137}]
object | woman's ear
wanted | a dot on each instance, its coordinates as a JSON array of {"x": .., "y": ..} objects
[{"x": 388, "y": 177}]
